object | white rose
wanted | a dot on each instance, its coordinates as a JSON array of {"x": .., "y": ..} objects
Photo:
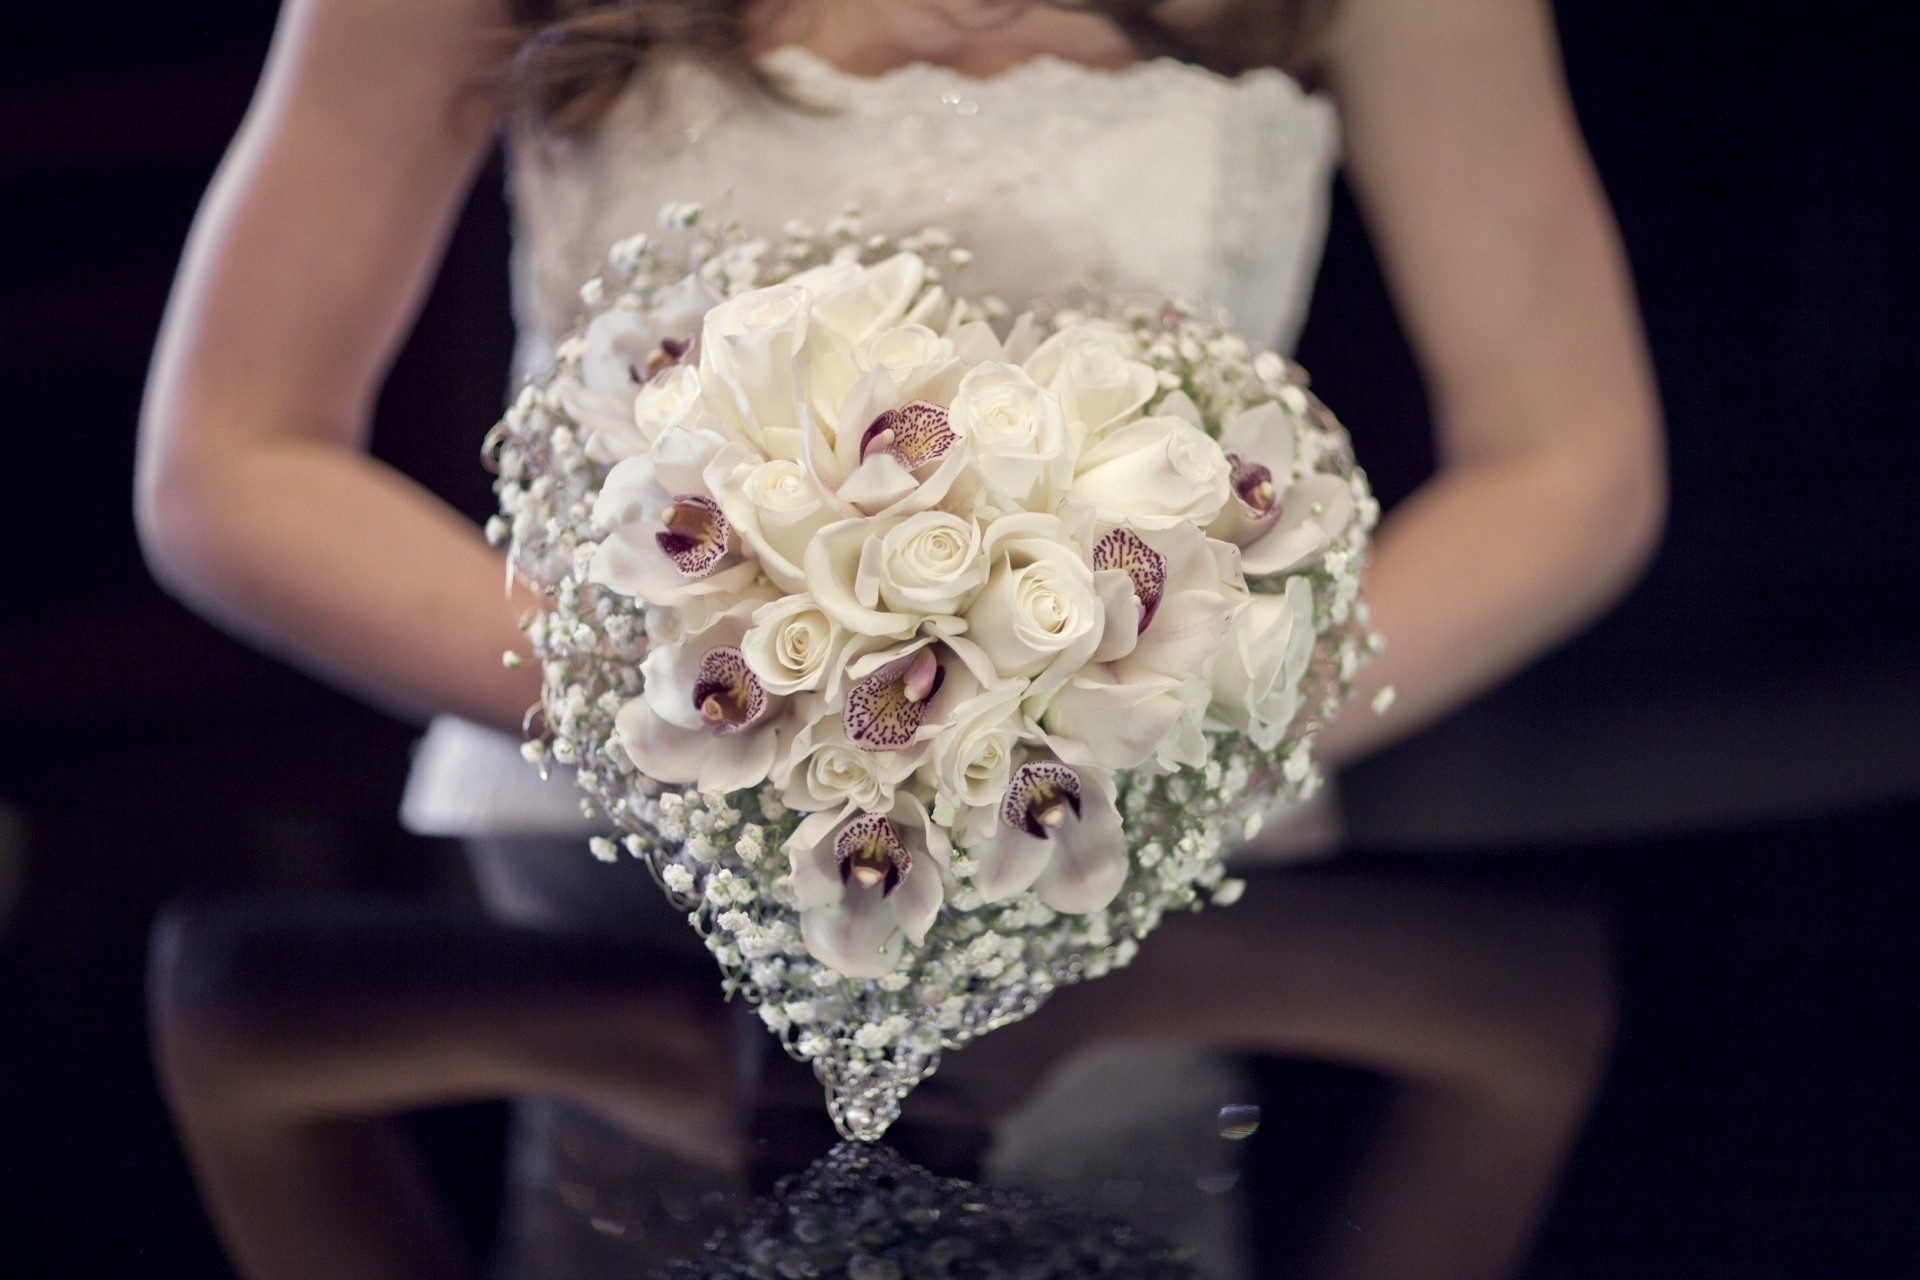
[
  {"x": 790, "y": 644},
  {"x": 973, "y": 756},
  {"x": 856, "y": 301},
  {"x": 1155, "y": 472},
  {"x": 1018, "y": 434},
  {"x": 1039, "y": 614},
  {"x": 842, "y": 570},
  {"x": 907, "y": 352},
  {"x": 1092, "y": 370},
  {"x": 931, "y": 563},
  {"x": 829, "y": 772},
  {"x": 777, "y": 509},
  {"x": 747, "y": 349},
  {"x": 1256, "y": 677}
]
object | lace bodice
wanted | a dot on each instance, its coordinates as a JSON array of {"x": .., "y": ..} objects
[{"x": 1162, "y": 177}]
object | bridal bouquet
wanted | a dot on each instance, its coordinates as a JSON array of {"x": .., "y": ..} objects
[{"x": 927, "y": 667}]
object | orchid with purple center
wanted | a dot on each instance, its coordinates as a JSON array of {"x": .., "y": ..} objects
[
  {"x": 624, "y": 351},
  {"x": 868, "y": 885},
  {"x": 1277, "y": 521},
  {"x": 1059, "y": 835},
  {"x": 704, "y": 717},
  {"x": 899, "y": 451},
  {"x": 1170, "y": 595},
  {"x": 668, "y": 544}
]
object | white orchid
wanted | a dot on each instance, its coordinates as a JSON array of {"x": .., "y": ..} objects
[
  {"x": 667, "y": 541},
  {"x": 1170, "y": 595},
  {"x": 880, "y": 437},
  {"x": 846, "y": 385},
  {"x": 1180, "y": 588},
  {"x": 1056, "y": 832},
  {"x": 1278, "y": 522},
  {"x": 704, "y": 718},
  {"x": 885, "y": 456},
  {"x": 900, "y": 698},
  {"x": 627, "y": 354},
  {"x": 867, "y": 884}
]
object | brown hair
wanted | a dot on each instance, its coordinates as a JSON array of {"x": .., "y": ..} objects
[{"x": 567, "y": 60}]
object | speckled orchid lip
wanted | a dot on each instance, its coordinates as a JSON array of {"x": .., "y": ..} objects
[
  {"x": 913, "y": 435},
  {"x": 868, "y": 852},
  {"x": 725, "y": 693},
  {"x": 1044, "y": 794},
  {"x": 1127, "y": 551},
  {"x": 886, "y": 710},
  {"x": 694, "y": 536}
]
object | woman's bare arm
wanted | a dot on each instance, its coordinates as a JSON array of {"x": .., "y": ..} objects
[
  {"x": 303, "y": 272},
  {"x": 1506, "y": 266},
  {"x": 288, "y": 1038}
]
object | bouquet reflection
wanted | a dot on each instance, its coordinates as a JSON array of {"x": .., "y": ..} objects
[{"x": 293, "y": 1038}]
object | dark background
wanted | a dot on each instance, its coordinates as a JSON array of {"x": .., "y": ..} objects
[{"x": 1733, "y": 757}]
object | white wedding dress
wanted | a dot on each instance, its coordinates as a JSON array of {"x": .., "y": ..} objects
[{"x": 1160, "y": 177}]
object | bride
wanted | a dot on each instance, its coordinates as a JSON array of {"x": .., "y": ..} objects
[{"x": 1173, "y": 147}]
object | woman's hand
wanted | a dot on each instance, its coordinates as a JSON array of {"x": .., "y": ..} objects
[
  {"x": 306, "y": 265},
  {"x": 1507, "y": 269}
]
